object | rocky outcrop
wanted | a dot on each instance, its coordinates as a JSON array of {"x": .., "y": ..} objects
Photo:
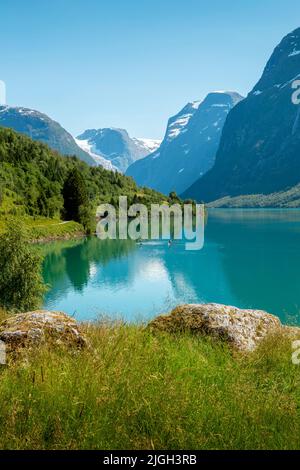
[
  {"x": 35, "y": 328},
  {"x": 242, "y": 329}
]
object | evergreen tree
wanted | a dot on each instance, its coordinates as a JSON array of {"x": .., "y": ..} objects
[
  {"x": 32, "y": 177},
  {"x": 173, "y": 196},
  {"x": 75, "y": 195}
]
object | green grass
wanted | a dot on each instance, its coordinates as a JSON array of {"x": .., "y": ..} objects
[
  {"x": 40, "y": 228},
  {"x": 47, "y": 229},
  {"x": 132, "y": 390},
  {"x": 44, "y": 229}
]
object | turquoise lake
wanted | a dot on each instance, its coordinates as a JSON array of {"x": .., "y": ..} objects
[{"x": 250, "y": 259}]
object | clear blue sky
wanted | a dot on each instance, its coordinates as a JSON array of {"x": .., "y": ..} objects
[{"x": 134, "y": 63}]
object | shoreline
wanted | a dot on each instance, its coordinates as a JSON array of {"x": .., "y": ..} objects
[{"x": 57, "y": 238}]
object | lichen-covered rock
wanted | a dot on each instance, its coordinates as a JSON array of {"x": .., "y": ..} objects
[
  {"x": 39, "y": 327},
  {"x": 243, "y": 329}
]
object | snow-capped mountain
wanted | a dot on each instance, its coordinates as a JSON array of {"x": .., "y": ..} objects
[
  {"x": 116, "y": 146},
  {"x": 260, "y": 145},
  {"x": 40, "y": 127},
  {"x": 88, "y": 148},
  {"x": 189, "y": 147},
  {"x": 147, "y": 145}
]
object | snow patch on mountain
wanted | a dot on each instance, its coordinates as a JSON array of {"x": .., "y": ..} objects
[
  {"x": 189, "y": 147},
  {"x": 292, "y": 54},
  {"x": 178, "y": 126},
  {"x": 196, "y": 104},
  {"x": 100, "y": 160},
  {"x": 115, "y": 145},
  {"x": 150, "y": 145}
]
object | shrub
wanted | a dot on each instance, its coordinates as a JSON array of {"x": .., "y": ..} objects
[{"x": 21, "y": 284}]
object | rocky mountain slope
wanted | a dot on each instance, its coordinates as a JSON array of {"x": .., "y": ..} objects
[
  {"x": 40, "y": 127},
  {"x": 189, "y": 147},
  {"x": 260, "y": 145}
]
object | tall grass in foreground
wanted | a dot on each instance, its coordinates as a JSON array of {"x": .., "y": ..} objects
[{"x": 132, "y": 390}]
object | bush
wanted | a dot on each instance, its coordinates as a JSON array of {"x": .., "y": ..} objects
[{"x": 21, "y": 284}]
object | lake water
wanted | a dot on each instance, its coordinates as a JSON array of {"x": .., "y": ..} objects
[{"x": 250, "y": 259}]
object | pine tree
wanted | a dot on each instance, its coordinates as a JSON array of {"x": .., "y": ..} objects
[{"x": 75, "y": 195}]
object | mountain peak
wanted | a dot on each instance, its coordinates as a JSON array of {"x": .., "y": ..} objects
[
  {"x": 179, "y": 123},
  {"x": 260, "y": 144},
  {"x": 189, "y": 147},
  {"x": 42, "y": 128},
  {"x": 283, "y": 66},
  {"x": 116, "y": 146}
]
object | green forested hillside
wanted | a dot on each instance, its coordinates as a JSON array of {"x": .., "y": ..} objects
[
  {"x": 289, "y": 198},
  {"x": 32, "y": 178},
  {"x": 40, "y": 127}
]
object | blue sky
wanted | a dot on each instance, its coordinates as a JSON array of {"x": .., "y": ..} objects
[{"x": 134, "y": 63}]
